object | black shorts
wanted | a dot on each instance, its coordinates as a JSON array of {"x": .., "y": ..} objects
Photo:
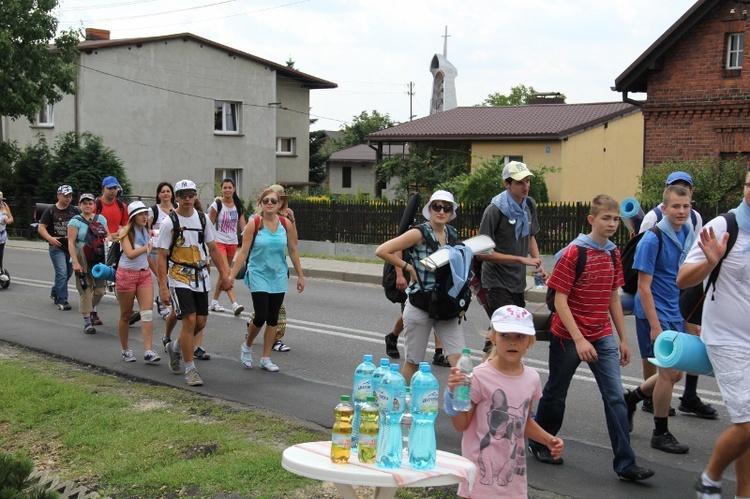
[
  {"x": 186, "y": 301},
  {"x": 497, "y": 297}
]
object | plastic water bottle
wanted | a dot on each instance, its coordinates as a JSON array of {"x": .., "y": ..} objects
[
  {"x": 362, "y": 388},
  {"x": 341, "y": 436},
  {"x": 406, "y": 419},
  {"x": 391, "y": 404},
  {"x": 368, "y": 431},
  {"x": 424, "y": 410},
  {"x": 378, "y": 374},
  {"x": 462, "y": 393},
  {"x": 538, "y": 279}
]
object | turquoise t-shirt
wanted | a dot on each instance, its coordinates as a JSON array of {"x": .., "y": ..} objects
[
  {"x": 83, "y": 228},
  {"x": 267, "y": 268}
]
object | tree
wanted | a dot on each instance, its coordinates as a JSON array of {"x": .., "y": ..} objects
[
  {"x": 361, "y": 126},
  {"x": 518, "y": 96},
  {"x": 30, "y": 71},
  {"x": 422, "y": 169},
  {"x": 318, "y": 157}
]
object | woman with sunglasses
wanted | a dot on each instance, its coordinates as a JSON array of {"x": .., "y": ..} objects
[
  {"x": 439, "y": 210},
  {"x": 267, "y": 273}
]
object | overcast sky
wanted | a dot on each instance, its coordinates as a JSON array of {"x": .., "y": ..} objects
[{"x": 373, "y": 49}]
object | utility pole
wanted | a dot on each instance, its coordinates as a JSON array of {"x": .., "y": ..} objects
[{"x": 411, "y": 98}]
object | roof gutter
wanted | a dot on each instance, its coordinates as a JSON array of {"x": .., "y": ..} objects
[{"x": 630, "y": 101}]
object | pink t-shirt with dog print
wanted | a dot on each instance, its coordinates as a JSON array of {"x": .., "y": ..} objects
[{"x": 494, "y": 440}]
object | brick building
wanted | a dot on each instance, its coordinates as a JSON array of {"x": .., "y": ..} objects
[{"x": 698, "y": 90}]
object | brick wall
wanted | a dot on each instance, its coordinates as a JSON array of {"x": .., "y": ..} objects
[{"x": 696, "y": 108}]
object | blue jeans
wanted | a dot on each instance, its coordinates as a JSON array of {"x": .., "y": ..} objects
[
  {"x": 563, "y": 362},
  {"x": 63, "y": 270}
]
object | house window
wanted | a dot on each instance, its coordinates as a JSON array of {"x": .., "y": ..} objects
[
  {"x": 735, "y": 44},
  {"x": 286, "y": 146},
  {"x": 46, "y": 115},
  {"x": 222, "y": 173},
  {"x": 508, "y": 159},
  {"x": 346, "y": 177},
  {"x": 227, "y": 117}
]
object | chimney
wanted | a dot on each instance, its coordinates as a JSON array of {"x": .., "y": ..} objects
[
  {"x": 97, "y": 34},
  {"x": 547, "y": 98}
]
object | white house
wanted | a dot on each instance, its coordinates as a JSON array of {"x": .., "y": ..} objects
[{"x": 181, "y": 106}]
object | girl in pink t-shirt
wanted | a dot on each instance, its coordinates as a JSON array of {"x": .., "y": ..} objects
[{"x": 502, "y": 391}]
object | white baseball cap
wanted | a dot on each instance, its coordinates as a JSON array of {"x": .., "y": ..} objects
[
  {"x": 184, "y": 185},
  {"x": 516, "y": 170},
  {"x": 513, "y": 319}
]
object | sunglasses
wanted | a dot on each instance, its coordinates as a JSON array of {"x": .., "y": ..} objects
[
  {"x": 270, "y": 200},
  {"x": 447, "y": 208},
  {"x": 187, "y": 195}
]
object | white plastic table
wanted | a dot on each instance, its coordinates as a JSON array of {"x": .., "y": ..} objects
[{"x": 312, "y": 460}]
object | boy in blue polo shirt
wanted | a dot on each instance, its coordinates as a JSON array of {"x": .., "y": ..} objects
[{"x": 657, "y": 307}]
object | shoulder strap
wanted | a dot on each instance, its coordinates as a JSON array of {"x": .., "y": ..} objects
[
  {"x": 581, "y": 262},
  {"x": 733, "y": 230},
  {"x": 176, "y": 231},
  {"x": 80, "y": 217},
  {"x": 98, "y": 204},
  {"x": 218, "y": 205},
  {"x": 659, "y": 214},
  {"x": 693, "y": 217},
  {"x": 452, "y": 237},
  {"x": 656, "y": 230},
  {"x": 428, "y": 238},
  {"x": 121, "y": 204}
]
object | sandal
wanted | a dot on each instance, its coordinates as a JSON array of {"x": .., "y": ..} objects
[{"x": 280, "y": 346}]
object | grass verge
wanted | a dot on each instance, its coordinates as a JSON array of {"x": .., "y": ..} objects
[{"x": 127, "y": 439}]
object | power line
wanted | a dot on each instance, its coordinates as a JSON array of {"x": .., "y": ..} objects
[
  {"x": 106, "y": 6},
  {"x": 94, "y": 21}
]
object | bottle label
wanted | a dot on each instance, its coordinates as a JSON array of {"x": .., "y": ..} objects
[
  {"x": 362, "y": 389},
  {"x": 462, "y": 393},
  {"x": 341, "y": 441},
  {"x": 427, "y": 401},
  {"x": 391, "y": 400}
]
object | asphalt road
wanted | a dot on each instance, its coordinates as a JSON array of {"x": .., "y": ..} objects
[{"x": 330, "y": 326}]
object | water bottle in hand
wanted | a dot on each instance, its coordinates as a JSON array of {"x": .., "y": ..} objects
[{"x": 462, "y": 393}]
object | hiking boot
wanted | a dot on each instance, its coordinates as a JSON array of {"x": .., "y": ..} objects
[
  {"x": 95, "y": 320},
  {"x": 269, "y": 366},
  {"x": 648, "y": 406},
  {"x": 134, "y": 318},
  {"x": 439, "y": 360},
  {"x": 89, "y": 329},
  {"x": 215, "y": 307},
  {"x": 165, "y": 341},
  {"x": 174, "y": 359},
  {"x": 668, "y": 443},
  {"x": 63, "y": 305},
  {"x": 543, "y": 455},
  {"x": 201, "y": 354},
  {"x": 151, "y": 357},
  {"x": 635, "y": 473},
  {"x": 280, "y": 346},
  {"x": 127, "y": 356},
  {"x": 246, "y": 356},
  {"x": 237, "y": 309},
  {"x": 193, "y": 378},
  {"x": 706, "y": 491},
  {"x": 391, "y": 346},
  {"x": 632, "y": 403},
  {"x": 696, "y": 407}
]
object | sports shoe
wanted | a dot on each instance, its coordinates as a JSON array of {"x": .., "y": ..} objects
[
  {"x": 237, "y": 309},
  {"x": 89, "y": 329},
  {"x": 165, "y": 341},
  {"x": 4, "y": 277},
  {"x": 174, "y": 359},
  {"x": 201, "y": 354},
  {"x": 134, "y": 318},
  {"x": 632, "y": 403},
  {"x": 668, "y": 443},
  {"x": 706, "y": 491},
  {"x": 95, "y": 320},
  {"x": 648, "y": 406},
  {"x": 215, "y": 307},
  {"x": 246, "y": 356},
  {"x": 53, "y": 295},
  {"x": 127, "y": 356},
  {"x": 151, "y": 357},
  {"x": 391, "y": 346},
  {"x": 439, "y": 360},
  {"x": 63, "y": 305},
  {"x": 696, "y": 407},
  {"x": 280, "y": 346},
  {"x": 543, "y": 455},
  {"x": 635, "y": 473},
  {"x": 193, "y": 378},
  {"x": 269, "y": 366}
]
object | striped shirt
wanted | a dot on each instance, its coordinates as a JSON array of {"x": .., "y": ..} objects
[{"x": 588, "y": 297}]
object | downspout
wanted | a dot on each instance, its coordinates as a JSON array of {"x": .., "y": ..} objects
[{"x": 76, "y": 114}]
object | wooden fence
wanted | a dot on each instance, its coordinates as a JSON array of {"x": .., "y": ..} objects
[{"x": 373, "y": 223}]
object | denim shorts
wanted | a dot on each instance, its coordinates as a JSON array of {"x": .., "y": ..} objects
[
  {"x": 643, "y": 331},
  {"x": 732, "y": 369}
]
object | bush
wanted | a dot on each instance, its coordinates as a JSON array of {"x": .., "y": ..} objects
[{"x": 14, "y": 479}]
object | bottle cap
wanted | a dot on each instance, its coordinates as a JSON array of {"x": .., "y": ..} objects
[
  {"x": 345, "y": 398},
  {"x": 367, "y": 357},
  {"x": 466, "y": 351},
  {"x": 385, "y": 362},
  {"x": 370, "y": 398}
]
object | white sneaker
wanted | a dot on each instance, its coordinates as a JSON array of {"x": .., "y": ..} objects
[
  {"x": 151, "y": 357},
  {"x": 215, "y": 307},
  {"x": 5, "y": 278},
  {"x": 237, "y": 309},
  {"x": 246, "y": 356},
  {"x": 269, "y": 366},
  {"x": 127, "y": 356}
]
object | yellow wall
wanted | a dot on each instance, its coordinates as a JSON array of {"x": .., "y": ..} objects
[{"x": 601, "y": 160}]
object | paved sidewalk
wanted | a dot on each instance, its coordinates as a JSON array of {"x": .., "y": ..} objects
[{"x": 324, "y": 268}]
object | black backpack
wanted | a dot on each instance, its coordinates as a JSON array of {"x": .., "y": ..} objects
[
  {"x": 628, "y": 257},
  {"x": 93, "y": 241},
  {"x": 438, "y": 303},
  {"x": 692, "y": 298},
  {"x": 580, "y": 266}
]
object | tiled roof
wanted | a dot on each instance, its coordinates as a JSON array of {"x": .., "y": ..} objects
[
  {"x": 363, "y": 153},
  {"x": 531, "y": 122},
  {"x": 307, "y": 80}
]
